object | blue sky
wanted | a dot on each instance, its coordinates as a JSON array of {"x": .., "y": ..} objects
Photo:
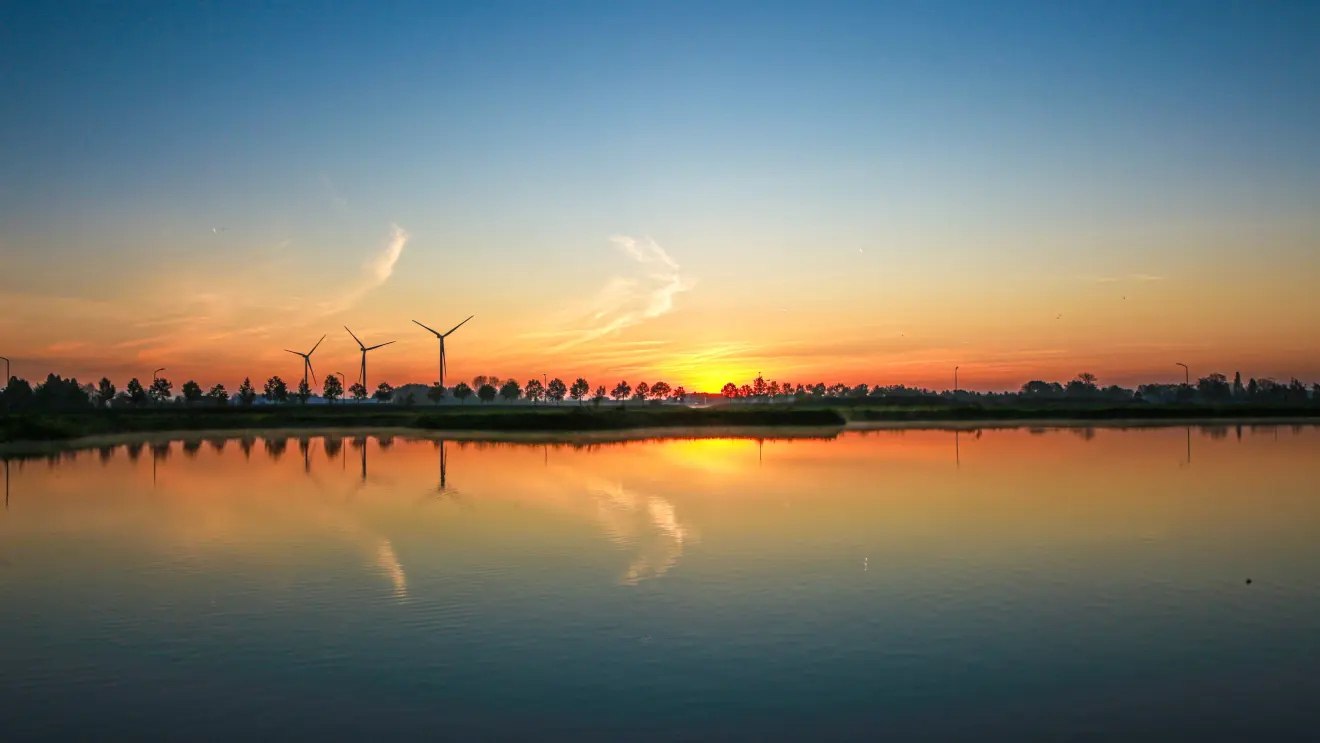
[{"x": 764, "y": 144}]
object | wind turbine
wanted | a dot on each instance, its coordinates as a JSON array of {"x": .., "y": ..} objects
[
  {"x": 362, "y": 373},
  {"x": 307, "y": 361},
  {"x": 441, "y": 337}
]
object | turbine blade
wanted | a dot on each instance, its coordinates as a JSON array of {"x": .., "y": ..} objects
[
  {"x": 436, "y": 334},
  {"x": 295, "y": 353},
  {"x": 373, "y": 348},
  {"x": 310, "y": 369},
  {"x": 354, "y": 337},
  {"x": 318, "y": 345},
  {"x": 456, "y": 327}
]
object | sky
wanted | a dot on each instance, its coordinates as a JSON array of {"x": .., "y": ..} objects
[{"x": 824, "y": 191}]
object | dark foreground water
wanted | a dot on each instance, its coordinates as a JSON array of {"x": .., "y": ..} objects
[{"x": 897, "y": 585}]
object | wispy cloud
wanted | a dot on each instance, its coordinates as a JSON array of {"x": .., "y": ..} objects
[
  {"x": 1136, "y": 277},
  {"x": 376, "y": 271},
  {"x": 626, "y": 301}
]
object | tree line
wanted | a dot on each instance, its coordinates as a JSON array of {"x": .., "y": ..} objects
[{"x": 57, "y": 393}]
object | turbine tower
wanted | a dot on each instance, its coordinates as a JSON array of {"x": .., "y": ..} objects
[
  {"x": 362, "y": 373},
  {"x": 441, "y": 337},
  {"x": 307, "y": 361}
]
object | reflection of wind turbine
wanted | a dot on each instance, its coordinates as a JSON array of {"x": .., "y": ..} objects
[
  {"x": 362, "y": 374},
  {"x": 957, "y": 451},
  {"x": 6, "y": 483},
  {"x": 441, "y": 337},
  {"x": 307, "y": 361}
]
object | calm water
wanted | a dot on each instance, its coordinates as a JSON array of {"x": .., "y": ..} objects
[{"x": 904, "y": 585}]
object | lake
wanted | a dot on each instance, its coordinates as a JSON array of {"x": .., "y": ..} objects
[{"x": 905, "y": 584}]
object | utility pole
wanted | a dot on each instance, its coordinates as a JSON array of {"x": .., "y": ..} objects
[
  {"x": 1187, "y": 374},
  {"x": 6, "y": 379},
  {"x": 955, "y": 379}
]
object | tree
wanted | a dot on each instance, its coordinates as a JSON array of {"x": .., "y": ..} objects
[
  {"x": 772, "y": 389},
  {"x": 408, "y": 399},
  {"x": 579, "y": 390},
  {"x": 745, "y": 391},
  {"x": 246, "y": 395},
  {"x": 621, "y": 391},
  {"x": 17, "y": 394},
  {"x": 358, "y": 391},
  {"x": 730, "y": 390},
  {"x": 332, "y": 389},
  {"x": 818, "y": 389},
  {"x": 160, "y": 389},
  {"x": 1239, "y": 391},
  {"x": 275, "y": 390},
  {"x": 105, "y": 392},
  {"x": 758, "y": 386},
  {"x": 1088, "y": 379},
  {"x": 1315, "y": 392},
  {"x": 1214, "y": 387},
  {"x": 384, "y": 391},
  {"x": 599, "y": 397},
  {"x": 556, "y": 390},
  {"x": 1252, "y": 388},
  {"x": 487, "y": 392},
  {"x": 192, "y": 392},
  {"x": 57, "y": 393},
  {"x": 535, "y": 390},
  {"x": 218, "y": 395},
  {"x": 304, "y": 392},
  {"x": 642, "y": 390},
  {"x": 660, "y": 390},
  {"x": 510, "y": 391},
  {"x": 462, "y": 391},
  {"x": 861, "y": 390},
  {"x": 479, "y": 381},
  {"x": 436, "y": 393},
  {"x": 679, "y": 394}
]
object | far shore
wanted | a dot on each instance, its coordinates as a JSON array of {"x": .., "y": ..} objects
[{"x": 587, "y": 425}]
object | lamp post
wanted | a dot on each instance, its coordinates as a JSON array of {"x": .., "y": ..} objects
[
  {"x": 1187, "y": 374},
  {"x": 6, "y": 379},
  {"x": 154, "y": 373},
  {"x": 955, "y": 379}
]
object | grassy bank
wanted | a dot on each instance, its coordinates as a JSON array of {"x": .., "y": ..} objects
[
  {"x": 63, "y": 426},
  {"x": 573, "y": 419}
]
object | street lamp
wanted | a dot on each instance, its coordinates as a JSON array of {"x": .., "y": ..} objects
[
  {"x": 154, "y": 373},
  {"x": 1187, "y": 375},
  {"x": 955, "y": 379},
  {"x": 6, "y": 379}
]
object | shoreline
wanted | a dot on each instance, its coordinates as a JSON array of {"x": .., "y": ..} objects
[{"x": 582, "y": 424}]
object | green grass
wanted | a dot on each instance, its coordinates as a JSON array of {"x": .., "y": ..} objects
[
  {"x": 573, "y": 418},
  {"x": 61, "y": 426}
]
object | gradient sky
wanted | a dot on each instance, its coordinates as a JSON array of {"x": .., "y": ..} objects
[{"x": 697, "y": 192}]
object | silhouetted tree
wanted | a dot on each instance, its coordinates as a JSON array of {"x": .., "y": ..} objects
[
  {"x": 487, "y": 392},
  {"x": 818, "y": 389},
  {"x": 136, "y": 393},
  {"x": 1253, "y": 388},
  {"x": 745, "y": 391},
  {"x": 599, "y": 397},
  {"x": 246, "y": 395},
  {"x": 679, "y": 394},
  {"x": 772, "y": 389},
  {"x": 621, "y": 391},
  {"x": 510, "y": 391},
  {"x": 660, "y": 390},
  {"x": 332, "y": 388},
  {"x": 534, "y": 390},
  {"x": 729, "y": 390},
  {"x": 556, "y": 390},
  {"x": 384, "y": 391},
  {"x": 478, "y": 381},
  {"x": 758, "y": 386},
  {"x": 1296, "y": 391},
  {"x": 105, "y": 392},
  {"x": 1214, "y": 388},
  {"x": 17, "y": 395},
  {"x": 160, "y": 389},
  {"x": 218, "y": 395},
  {"x": 408, "y": 400},
  {"x": 358, "y": 391},
  {"x": 1239, "y": 391},
  {"x": 641, "y": 391},
  {"x": 304, "y": 392},
  {"x": 1315, "y": 392},
  {"x": 861, "y": 390},
  {"x": 579, "y": 390},
  {"x": 462, "y": 391},
  {"x": 275, "y": 390},
  {"x": 192, "y": 392},
  {"x": 436, "y": 393},
  {"x": 57, "y": 393}
]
